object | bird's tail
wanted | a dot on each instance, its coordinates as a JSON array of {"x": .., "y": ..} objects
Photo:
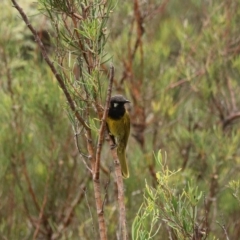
[{"x": 123, "y": 162}]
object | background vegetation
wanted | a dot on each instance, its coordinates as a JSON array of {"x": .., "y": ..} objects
[{"x": 178, "y": 63}]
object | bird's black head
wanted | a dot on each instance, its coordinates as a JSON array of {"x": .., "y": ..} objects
[{"x": 117, "y": 109}]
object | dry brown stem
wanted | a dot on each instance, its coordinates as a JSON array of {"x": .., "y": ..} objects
[{"x": 120, "y": 192}]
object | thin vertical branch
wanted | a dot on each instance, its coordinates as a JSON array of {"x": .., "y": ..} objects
[
  {"x": 224, "y": 230},
  {"x": 29, "y": 184},
  {"x": 103, "y": 125},
  {"x": 97, "y": 189},
  {"x": 25, "y": 203},
  {"x": 120, "y": 188},
  {"x": 140, "y": 32},
  {"x": 41, "y": 212},
  {"x": 232, "y": 95}
]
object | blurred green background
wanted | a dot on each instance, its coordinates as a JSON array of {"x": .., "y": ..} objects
[{"x": 178, "y": 63}]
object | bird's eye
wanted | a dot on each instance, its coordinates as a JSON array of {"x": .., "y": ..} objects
[{"x": 115, "y": 105}]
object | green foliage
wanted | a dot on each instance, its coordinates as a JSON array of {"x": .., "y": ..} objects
[
  {"x": 81, "y": 37},
  {"x": 165, "y": 204},
  {"x": 235, "y": 187}
]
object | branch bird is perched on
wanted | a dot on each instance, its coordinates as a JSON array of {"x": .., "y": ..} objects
[{"x": 118, "y": 122}]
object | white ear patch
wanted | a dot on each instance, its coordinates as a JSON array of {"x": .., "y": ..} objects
[{"x": 115, "y": 105}]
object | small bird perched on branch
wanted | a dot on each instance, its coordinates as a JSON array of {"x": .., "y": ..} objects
[{"x": 118, "y": 122}]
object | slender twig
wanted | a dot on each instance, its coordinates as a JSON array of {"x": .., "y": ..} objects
[
  {"x": 50, "y": 64},
  {"x": 69, "y": 211},
  {"x": 29, "y": 184},
  {"x": 229, "y": 119},
  {"x": 120, "y": 188},
  {"x": 25, "y": 203},
  {"x": 168, "y": 231},
  {"x": 180, "y": 82},
  {"x": 213, "y": 190},
  {"x": 140, "y": 31},
  {"x": 106, "y": 188},
  {"x": 224, "y": 230},
  {"x": 214, "y": 100},
  {"x": 206, "y": 222},
  {"x": 75, "y": 202},
  {"x": 83, "y": 156},
  {"x": 156, "y": 10},
  {"x": 41, "y": 213},
  {"x": 8, "y": 72},
  {"x": 103, "y": 125},
  {"x": 231, "y": 91},
  {"x": 97, "y": 189},
  {"x": 77, "y": 16},
  {"x": 89, "y": 210},
  {"x": 81, "y": 45}
]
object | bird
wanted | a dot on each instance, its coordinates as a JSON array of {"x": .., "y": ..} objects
[{"x": 118, "y": 124}]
